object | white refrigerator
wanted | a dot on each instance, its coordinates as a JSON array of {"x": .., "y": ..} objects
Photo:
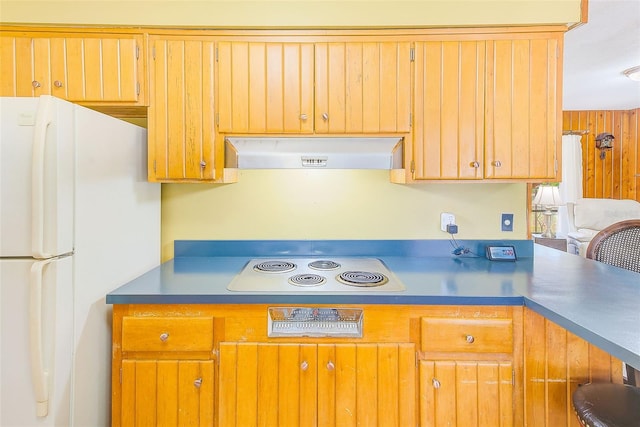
[{"x": 77, "y": 219}]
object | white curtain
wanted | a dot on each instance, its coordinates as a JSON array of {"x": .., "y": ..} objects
[{"x": 571, "y": 185}]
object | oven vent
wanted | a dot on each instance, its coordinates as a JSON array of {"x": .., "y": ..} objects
[{"x": 313, "y": 153}]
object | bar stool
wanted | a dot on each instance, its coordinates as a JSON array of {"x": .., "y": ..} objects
[{"x": 609, "y": 404}]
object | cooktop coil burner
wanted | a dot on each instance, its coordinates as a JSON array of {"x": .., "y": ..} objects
[
  {"x": 316, "y": 274},
  {"x": 362, "y": 278},
  {"x": 323, "y": 264},
  {"x": 274, "y": 267},
  {"x": 307, "y": 280}
]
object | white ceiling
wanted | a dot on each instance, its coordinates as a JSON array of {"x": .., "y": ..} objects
[{"x": 596, "y": 54}]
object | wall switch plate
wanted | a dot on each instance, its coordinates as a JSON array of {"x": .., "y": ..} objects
[
  {"x": 446, "y": 219},
  {"x": 507, "y": 222}
]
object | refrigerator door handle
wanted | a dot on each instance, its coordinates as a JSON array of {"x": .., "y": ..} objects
[
  {"x": 44, "y": 118},
  {"x": 39, "y": 375}
]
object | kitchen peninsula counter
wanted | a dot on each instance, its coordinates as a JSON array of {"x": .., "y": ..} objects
[{"x": 596, "y": 302}]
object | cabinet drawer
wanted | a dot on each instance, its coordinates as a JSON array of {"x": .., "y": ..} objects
[
  {"x": 467, "y": 335},
  {"x": 167, "y": 333}
]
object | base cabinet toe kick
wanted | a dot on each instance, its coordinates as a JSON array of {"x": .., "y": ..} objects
[{"x": 468, "y": 366}]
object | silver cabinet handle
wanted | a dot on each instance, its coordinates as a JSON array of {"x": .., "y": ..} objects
[
  {"x": 35, "y": 84},
  {"x": 474, "y": 164},
  {"x": 198, "y": 382},
  {"x": 436, "y": 383},
  {"x": 57, "y": 83},
  {"x": 303, "y": 117},
  {"x": 304, "y": 365},
  {"x": 164, "y": 336},
  {"x": 496, "y": 163},
  {"x": 325, "y": 116},
  {"x": 470, "y": 339},
  {"x": 203, "y": 164},
  {"x": 330, "y": 365}
]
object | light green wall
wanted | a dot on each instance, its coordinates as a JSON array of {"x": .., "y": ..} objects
[
  {"x": 290, "y": 13},
  {"x": 339, "y": 204}
]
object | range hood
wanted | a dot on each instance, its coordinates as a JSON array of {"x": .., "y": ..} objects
[{"x": 313, "y": 153}]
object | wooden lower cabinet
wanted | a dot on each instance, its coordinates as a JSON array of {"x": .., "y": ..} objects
[
  {"x": 317, "y": 384},
  {"x": 167, "y": 392},
  {"x": 465, "y": 366},
  {"x": 556, "y": 363},
  {"x": 466, "y": 393}
]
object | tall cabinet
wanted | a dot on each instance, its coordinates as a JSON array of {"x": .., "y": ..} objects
[{"x": 181, "y": 118}]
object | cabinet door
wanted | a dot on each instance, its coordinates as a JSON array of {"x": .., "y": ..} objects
[
  {"x": 449, "y": 109},
  {"x": 466, "y": 393},
  {"x": 167, "y": 392},
  {"x": 27, "y": 65},
  {"x": 524, "y": 114},
  {"x": 181, "y": 112},
  {"x": 93, "y": 69},
  {"x": 265, "y": 87},
  {"x": 362, "y": 87},
  {"x": 317, "y": 384},
  {"x": 103, "y": 68}
]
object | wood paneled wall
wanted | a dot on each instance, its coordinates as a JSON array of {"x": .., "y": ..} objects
[{"x": 617, "y": 176}]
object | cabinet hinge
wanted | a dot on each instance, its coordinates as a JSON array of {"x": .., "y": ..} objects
[
  {"x": 153, "y": 53},
  {"x": 410, "y": 120},
  {"x": 138, "y": 88},
  {"x": 137, "y": 52},
  {"x": 216, "y": 54},
  {"x": 412, "y": 54},
  {"x": 217, "y": 119}
]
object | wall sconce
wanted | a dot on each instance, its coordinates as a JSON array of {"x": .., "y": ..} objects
[
  {"x": 604, "y": 141},
  {"x": 548, "y": 196}
]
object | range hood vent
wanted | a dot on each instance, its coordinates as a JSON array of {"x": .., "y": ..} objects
[{"x": 313, "y": 153}]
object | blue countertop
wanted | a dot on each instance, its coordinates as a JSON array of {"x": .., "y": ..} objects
[{"x": 595, "y": 301}]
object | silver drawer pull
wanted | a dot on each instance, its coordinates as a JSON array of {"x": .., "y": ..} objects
[
  {"x": 474, "y": 164},
  {"x": 436, "y": 383},
  {"x": 57, "y": 83},
  {"x": 496, "y": 163},
  {"x": 325, "y": 116},
  {"x": 164, "y": 336},
  {"x": 330, "y": 365},
  {"x": 470, "y": 339},
  {"x": 198, "y": 382},
  {"x": 303, "y": 117},
  {"x": 35, "y": 84},
  {"x": 304, "y": 365}
]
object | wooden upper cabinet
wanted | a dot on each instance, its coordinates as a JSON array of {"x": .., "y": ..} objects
[
  {"x": 523, "y": 108},
  {"x": 181, "y": 112},
  {"x": 448, "y": 140},
  {"x": 342, "y": 87},
  {"x": 362, "y": 87},
  {"x": 265, "y": 87},
  {"x": 92, "y": 68},
  {"x": 488, "y": 108}
]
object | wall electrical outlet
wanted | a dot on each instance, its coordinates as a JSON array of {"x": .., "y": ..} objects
[
  {"x": 507, "y": 222},
  {"x": 446, "y": 219}
]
